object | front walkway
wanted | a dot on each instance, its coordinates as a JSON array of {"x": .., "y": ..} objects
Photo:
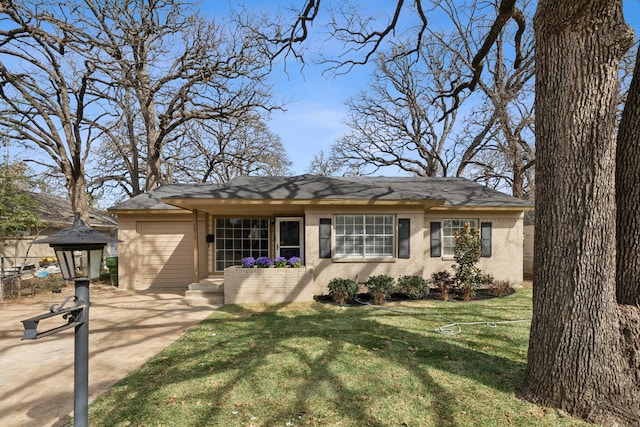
[{"x": 125, "y": 329}]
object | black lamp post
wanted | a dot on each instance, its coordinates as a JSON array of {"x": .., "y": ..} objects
[{"x": 79, "y": 251}]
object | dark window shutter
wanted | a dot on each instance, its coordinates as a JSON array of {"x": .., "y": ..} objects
[
  {"x": 404, "y": 231},
  {"x": 325, "y": 237},
  {"x": 485, "y": 236},
  {"x": 435, "y": 239}
]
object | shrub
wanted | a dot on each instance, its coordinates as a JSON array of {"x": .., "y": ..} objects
[
  {"x": 414, "y": 287},
  {"x": 444, "y": 282},
  {"x": 501, "y": 288},
  {"x": 342, "y": 290},
  {"x": 380, "y": 287}
]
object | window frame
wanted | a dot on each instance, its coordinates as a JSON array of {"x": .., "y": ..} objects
[
  {"x": 447, "y": 242},
  {"x": 365, "y": 236},
  {"x": 237, "y": 239}
]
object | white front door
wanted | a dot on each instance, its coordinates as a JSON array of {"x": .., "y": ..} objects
[{"x": 290, "y": 237}]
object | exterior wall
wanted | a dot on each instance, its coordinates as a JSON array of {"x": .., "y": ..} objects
[
  {"x": 17, "y": 248},
  {"x": 505, "y": 263},
  {"x": 359, "y": 269},
  {"x": 267, "y": 285},
  {"x": 507, "y": 236},
  {"x": 528, "y": 251}
]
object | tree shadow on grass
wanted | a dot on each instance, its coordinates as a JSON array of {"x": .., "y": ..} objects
[{"x": 238, "y": 348}]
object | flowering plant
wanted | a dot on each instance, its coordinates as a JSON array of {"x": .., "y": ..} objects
[
  {"x": 280, "y": 262},
  {"x": 248, "y": 262},
  {"x": 295, "y": 262},
  {"x": 264, "y": 262}
]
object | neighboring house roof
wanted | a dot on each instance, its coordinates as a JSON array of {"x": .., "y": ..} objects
[
  {"x": 433, "y": 192},
  {"x": 56, "y": 212}
]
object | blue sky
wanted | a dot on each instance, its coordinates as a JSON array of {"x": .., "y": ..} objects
[{"x": 316, "y": 112}]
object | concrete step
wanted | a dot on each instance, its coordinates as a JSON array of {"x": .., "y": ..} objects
[
  {"x": 196, "y": 298},
  {"x": 207, "y": 287},
  {"x": 213, "y": 280},
  {"x": 209, "y": 291}
]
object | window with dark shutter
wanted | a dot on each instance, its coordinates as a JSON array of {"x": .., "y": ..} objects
[
  {"x": 404, "y": 231},
  {"x": 325, "y": 238},
  {"x": 485, "y": 236},
  {"x": 435, "y": 239}
]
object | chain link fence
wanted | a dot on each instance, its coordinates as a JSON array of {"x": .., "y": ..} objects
[{"x": 26, "y": 275}]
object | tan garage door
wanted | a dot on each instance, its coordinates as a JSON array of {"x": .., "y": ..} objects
[{"x": 165, "y": 255}]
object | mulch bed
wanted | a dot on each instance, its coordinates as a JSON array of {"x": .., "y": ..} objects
[{"x": 434, "y": 295}]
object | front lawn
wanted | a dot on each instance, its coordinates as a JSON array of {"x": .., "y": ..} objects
[{"x": 327, "y": 365}]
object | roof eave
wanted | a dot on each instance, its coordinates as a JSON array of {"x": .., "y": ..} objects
[
  {"x": 208, "y": 204},
  {"x": 172, "y": 210},
  {"x": 503, "y": 208}
]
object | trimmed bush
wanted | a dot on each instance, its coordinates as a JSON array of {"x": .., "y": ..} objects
[
  {"x": 501, "y": 288},
  {"x": 414, "y": 287},
  {"x": 380, "y": 287},
  {"x": 342, "y": 290},
  {"x": 444, "y": 282}
]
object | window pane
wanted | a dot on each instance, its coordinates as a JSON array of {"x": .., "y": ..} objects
[
  {"x": 449, "y": 229},
  {"x": 364, "y": 235},
  {"x": 239, "y": 238}
]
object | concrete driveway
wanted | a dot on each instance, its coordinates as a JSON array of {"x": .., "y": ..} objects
[{"x": 126, "y": 329}]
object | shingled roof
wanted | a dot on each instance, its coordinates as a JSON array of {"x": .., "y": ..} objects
[
  {"x": 448, "y": 192},
  {"x": 56, "y": 212}
]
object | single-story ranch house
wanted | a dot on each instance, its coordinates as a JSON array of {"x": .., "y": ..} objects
[{"x": 348, "y": 227}]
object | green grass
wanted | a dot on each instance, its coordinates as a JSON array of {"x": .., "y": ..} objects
[{"x": 326, "y": 365}]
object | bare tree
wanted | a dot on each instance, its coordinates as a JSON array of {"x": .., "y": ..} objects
[
  {"x": 404, "y": 120},
  {"x": 131, "y": 73},
  {"x": 174, "y": 68},
  {"x": 510, "y": 104},
  {"x": 219, "y": 151},
  {"x": 46, "y": 92},
  {"x": 326, "y": 165},
  {"x": 396, "y": 121},
  {"x": 119, "y": 162},
  {"x": 504, "y": 134}
]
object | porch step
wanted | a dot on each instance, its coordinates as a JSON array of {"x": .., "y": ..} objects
[{"x": 209, "y": 291}]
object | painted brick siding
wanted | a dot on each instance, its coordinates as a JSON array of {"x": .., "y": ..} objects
[
  {"x": 267, "y": 285},
  {"x": 360, "y": 269},
  {"x": 507, "y": 237}
]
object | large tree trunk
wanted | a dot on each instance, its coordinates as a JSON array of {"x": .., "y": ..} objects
[
  {"x": 576, "y": 361},
  {"x": 77, "y": 190},
  {"x": 628, "y": 196}
]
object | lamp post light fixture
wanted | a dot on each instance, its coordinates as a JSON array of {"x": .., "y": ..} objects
[{"x": 79, "y": 251}]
